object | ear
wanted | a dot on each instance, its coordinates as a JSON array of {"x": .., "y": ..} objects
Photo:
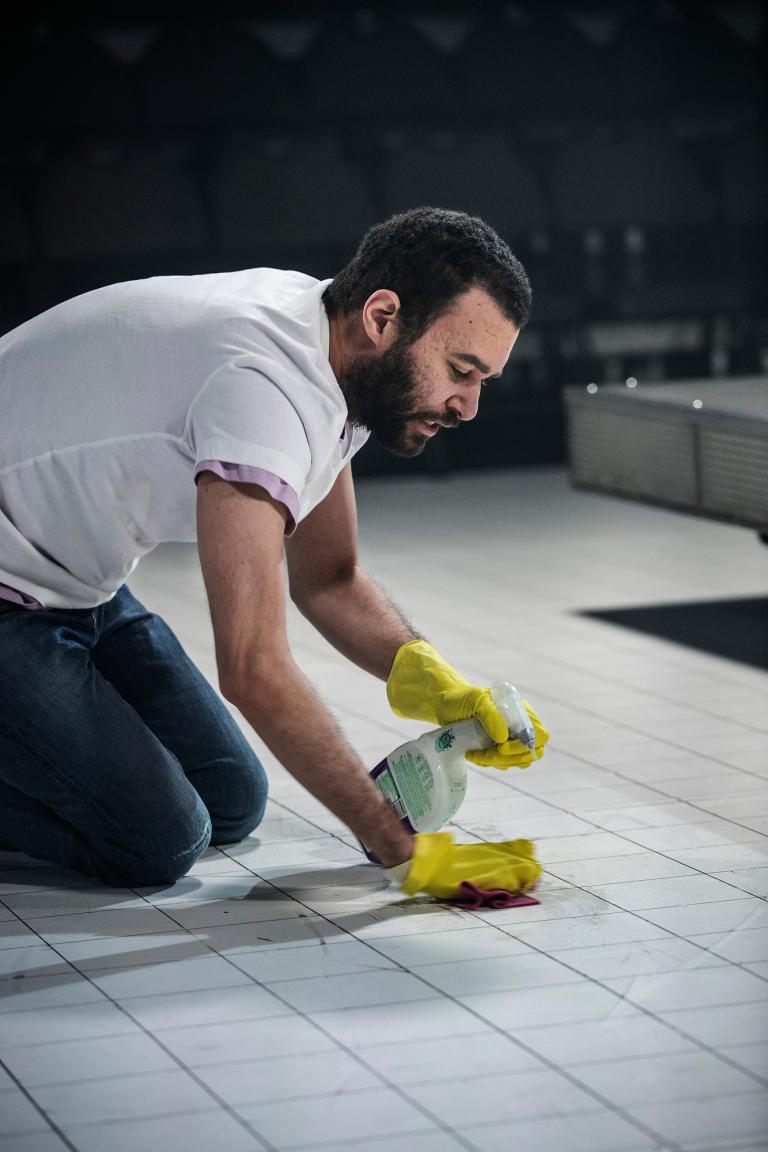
[{"x": 379, "y": 316}]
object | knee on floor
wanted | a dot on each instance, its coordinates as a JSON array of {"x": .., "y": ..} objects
[
  {"x": 242, "y": 804},
  {"x": 183, "y": 842}
]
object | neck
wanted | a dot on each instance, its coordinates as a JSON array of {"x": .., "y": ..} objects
[
  {"x": 343, "y": 349},
  {"x": 337, "y": 344}
]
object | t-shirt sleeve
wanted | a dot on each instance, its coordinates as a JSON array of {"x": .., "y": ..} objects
[{"x": 244, "y": 428}]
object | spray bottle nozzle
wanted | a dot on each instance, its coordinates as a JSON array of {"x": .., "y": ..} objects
[{"x": 512, "y": 707}]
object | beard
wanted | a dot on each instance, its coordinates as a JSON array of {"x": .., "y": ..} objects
[{"x": 383, "y": 394}]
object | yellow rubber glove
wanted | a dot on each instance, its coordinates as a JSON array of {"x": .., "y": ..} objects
[
  {"x": 424, "y": 686},
  {"x": 512, "y": 753},
  {"x": 438, "y": 866}
]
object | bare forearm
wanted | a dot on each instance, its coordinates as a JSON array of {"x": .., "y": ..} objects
[
  {"x": 297, "y": 727},
  {"x": 360, "y": 621}
]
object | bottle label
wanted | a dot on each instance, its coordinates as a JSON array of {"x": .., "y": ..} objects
[
  {"x": 446, "y": 739},
  {"x": 412, "y": 777},
  {"x": 390, "y": 791}
]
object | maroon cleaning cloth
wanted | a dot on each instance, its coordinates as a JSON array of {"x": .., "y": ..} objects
[{"x": 473, "y": 898}]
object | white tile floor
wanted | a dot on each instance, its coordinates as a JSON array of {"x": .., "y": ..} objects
[{"x": 280, "y": 997}]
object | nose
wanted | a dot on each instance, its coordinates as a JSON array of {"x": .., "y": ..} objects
[{"x": 464, "y": 404}]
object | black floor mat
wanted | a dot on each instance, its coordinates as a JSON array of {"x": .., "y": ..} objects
[{"x": 736, "y": 629}]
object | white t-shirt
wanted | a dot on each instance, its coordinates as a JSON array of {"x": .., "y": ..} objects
[{"x": 114, "y": 401}]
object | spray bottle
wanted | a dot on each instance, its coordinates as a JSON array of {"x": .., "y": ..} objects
[{"x": 425, "y": 780}]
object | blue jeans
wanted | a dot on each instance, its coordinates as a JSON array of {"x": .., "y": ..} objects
[{"x": 117, "y": 758}]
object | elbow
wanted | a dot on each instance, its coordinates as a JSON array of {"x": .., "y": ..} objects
[
  {"x": 251, "y": 695},
  {"x": 231, "y": 690},
  {"x": 307, "y": 589},
  {"x": 252, "y": 688}
]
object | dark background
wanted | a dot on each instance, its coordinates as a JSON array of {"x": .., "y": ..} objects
[{"x": 620, "y": 149}]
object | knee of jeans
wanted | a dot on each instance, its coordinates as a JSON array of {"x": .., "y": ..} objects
[
  {"x": 183, "y": 844},
  {"x": 244, "y": 804}
]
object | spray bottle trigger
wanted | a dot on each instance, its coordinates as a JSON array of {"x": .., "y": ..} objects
[{"x": 510, "y": 703}]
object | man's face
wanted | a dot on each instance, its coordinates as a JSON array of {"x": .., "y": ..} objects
[{"x": 404, "y": 393}]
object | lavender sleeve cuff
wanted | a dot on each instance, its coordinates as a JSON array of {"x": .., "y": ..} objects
[
  {"x": 16, "y": 597},
  {"x": 246, "y": 474}
]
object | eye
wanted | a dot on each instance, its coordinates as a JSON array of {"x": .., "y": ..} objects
[{"x": 459, "y": 374}]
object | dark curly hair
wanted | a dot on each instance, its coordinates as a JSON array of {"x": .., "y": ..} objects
[{"x": 429, "y": 256}]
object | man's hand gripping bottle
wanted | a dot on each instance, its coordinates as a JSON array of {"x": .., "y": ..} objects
[{"x": 425, "y": 780}]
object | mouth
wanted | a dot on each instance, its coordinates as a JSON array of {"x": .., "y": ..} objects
[{"x": 429, "y": 427}]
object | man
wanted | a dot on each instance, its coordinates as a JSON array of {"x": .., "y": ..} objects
[{"x": 117, "y": 758}]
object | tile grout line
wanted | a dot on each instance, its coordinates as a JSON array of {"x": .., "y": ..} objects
[
  {"x": 559, "y": 809},
  {"x": 184, "y": 931},
  {"x": 292, "y": 1011},
  {"x": 180, "y": 1064},
  {"x": 553, "y": 1067},
  {"x": 440, "y": 995},
  {"x": 52, "y": 1125},
  {"x": 582, "y": 975},
  {"x": 467, "y": 633}
]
